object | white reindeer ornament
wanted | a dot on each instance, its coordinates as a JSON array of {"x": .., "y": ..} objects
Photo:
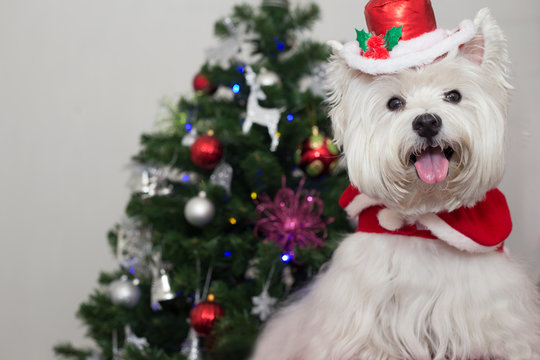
[{"x": 255, "y": 114}]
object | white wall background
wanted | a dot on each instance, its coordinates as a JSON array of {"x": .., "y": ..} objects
[{"x": 80, "y": 80}]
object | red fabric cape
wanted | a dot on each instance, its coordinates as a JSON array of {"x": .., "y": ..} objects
[{"x": 488, "y": 223}]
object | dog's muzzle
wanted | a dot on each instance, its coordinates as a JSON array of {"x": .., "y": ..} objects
[{"x": 432, "y": 160}]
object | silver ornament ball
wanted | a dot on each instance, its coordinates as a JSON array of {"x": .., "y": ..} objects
[
  {"x": 199, "y": 211},
  {"x": 124, "y": 292}
]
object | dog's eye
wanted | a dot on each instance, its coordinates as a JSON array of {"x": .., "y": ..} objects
[
  {"x": 452, "y": 96},
  {"x": 395, "y": 103}
]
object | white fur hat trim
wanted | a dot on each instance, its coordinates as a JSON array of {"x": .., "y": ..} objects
[{"x": 406, "y": 54}]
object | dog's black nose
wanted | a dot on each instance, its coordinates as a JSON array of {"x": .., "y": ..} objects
[{"x": 427, "y": 125}]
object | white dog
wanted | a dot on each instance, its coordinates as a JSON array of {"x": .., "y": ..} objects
[{"x": 423, "y": 136}]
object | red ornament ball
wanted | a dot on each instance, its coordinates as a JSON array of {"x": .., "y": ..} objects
[
  {"x": 317, "y": 156},
  {"x": 201, "y": 83},
  {"x": 203, "y": 316},
  {"x": 206, "y": 152}
]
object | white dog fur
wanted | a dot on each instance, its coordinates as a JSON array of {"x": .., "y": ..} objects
[{"x": 393, "y": 297}]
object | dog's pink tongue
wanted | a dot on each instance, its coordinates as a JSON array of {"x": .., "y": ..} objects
[{"x": 431, "y": 165}]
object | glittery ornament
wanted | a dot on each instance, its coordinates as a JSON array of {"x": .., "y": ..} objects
[
  {"x": 134, "y": 247},
  {"x": 206, "y": 151},
  {"x": 222, "y": 176},
  {"x": 291, "y": 218},
  {"x": 124, "y": 292},
  {"x": 318, "y": 155},
  {"x": 187, "y": 177},
  {"x": 199, "y": 211},
  {"x": 203, "y": 316},
  {"x": 202, "y": 84},
  {"x": 153, "y": 182}
]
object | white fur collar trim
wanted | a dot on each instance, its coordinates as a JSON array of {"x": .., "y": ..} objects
[
  {"x": 359, "y": 204},
  {"x": 451, "y": 236}
]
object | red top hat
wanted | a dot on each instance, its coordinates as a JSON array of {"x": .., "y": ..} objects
[
  {"x": 416, "y": 17},
  {"x": 412, "y": 22}
]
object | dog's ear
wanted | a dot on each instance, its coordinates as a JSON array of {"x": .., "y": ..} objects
[
  {"x": 337, "y": 79},
  {"x": 488, "y": 47}
]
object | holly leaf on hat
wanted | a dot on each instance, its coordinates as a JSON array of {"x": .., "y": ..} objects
[
  {"x": 392, "y": 37},
  {"x": 362, "y": 37}
]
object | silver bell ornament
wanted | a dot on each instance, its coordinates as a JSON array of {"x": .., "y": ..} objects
[
  {"x": 199, "y": 211},
  {"x": 268, "y": 78},
  {"x": 125, "y": 292},
  {"x": 161, "y": 290}
]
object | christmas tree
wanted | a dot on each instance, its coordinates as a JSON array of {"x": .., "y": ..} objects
[{"x": 234, "y": 204}]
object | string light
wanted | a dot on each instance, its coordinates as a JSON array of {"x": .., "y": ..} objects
[
  {"x": 227, "y": 253},
  {"x": 290, "y": 117},
  {"x": 232, "y": 221},
  {"x": 286, "y": 258},
  {"x": 132, "y": 270},
  {"x": 236, "y": 88},
  {"x": 253, "y": 195},
  {"x": 185, "y": 178},
  {"x": 279, "y": 44},
  {"x": 240, "y": 69},
  {"x": 188, "y": 127},
  {"x": 211, "y": 297}
]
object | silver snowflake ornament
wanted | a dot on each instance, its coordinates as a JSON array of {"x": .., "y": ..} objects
[{"x": 263, "y": 305}]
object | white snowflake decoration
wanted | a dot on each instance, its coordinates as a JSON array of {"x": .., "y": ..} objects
[{"x": 263, "y": 305}]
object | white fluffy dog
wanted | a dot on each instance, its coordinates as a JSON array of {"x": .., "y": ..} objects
[{"x": 418, "y": 142}]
